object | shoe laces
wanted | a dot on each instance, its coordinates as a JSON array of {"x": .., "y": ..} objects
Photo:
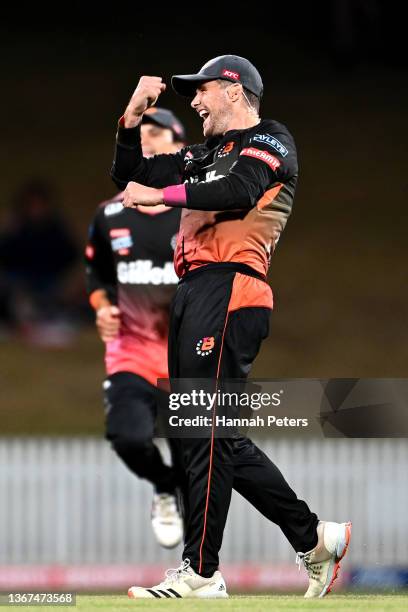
[
  {"x": 174, "y": 574},
  {"x": 164, "y": 505},
  {"x": 300, "y": 559},
  {"x": 313, "y": 568}
]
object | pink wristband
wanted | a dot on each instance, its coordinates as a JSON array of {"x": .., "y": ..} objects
[{"x": 175, "y": 195}]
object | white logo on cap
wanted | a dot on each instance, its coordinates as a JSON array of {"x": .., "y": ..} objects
[{"x": 230, "y": 74}]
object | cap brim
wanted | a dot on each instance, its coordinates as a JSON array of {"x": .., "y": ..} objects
[
  {"x": 150, "y": 118},
  {"x": 186, "y": 84}
]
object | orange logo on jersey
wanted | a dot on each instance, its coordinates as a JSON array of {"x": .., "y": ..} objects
[
  {"x": 208, "y": 343},
  {"x": 205, "y": 346},
  {"x": 226, "y": 149}
]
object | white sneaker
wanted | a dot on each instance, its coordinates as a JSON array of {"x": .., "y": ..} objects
[
  {"x": 323, "y": 562},
  {"x": 183, "y": 582},
  {"x": 166, "y": 520}
]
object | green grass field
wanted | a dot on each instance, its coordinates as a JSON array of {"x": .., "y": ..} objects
[
  {"x": 257, "y": 603},
  {"x": 254, "y": 603}
]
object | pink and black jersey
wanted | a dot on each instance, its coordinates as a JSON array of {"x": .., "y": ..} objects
[{"x": 130, "y": 255}]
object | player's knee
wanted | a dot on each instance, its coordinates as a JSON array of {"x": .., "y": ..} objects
[{"x": 130, "y": 446}]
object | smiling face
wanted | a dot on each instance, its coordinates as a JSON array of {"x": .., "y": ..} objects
[{"x": 214, "y": 106}]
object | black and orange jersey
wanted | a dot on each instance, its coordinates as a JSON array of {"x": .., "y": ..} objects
[{"x": 239, "y": 190}]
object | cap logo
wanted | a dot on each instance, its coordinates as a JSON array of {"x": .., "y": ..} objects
[{"x": 230, "y": 74}]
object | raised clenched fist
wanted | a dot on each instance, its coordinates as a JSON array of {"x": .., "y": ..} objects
[{"x": 146, "y": 93}]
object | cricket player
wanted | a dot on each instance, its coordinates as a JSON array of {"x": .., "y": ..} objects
[
  {"x": 131, "y": 281},
  {"x": 235, "y": 191}
]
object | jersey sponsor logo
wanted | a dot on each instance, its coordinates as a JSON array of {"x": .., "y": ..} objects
[
  {"x": 226, "y": 149},
  {"x": 121, "y": 240},
  {"x": 113, "y": 209},
  {"x": 213, "y": 176},
  {"x": 142, "y": 272},
  {"x": 119, "y": 231},
  {"x": 230, "y": 74},
  {"x": 205, "y": 346},
  {"x": 189, "y": 161},
  {"x": 272, "y": 142},
  {"x": 122, "y": 245},
  {"x": 268, "y": 158}
]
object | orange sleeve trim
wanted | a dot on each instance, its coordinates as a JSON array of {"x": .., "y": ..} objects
[{"x": 98, "y": 298}]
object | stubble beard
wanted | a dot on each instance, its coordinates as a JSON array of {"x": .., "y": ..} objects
[{"x": 218, "y": 124}]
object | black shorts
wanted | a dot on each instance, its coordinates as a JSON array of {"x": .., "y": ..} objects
[
  {"x": 130, "y": 406},
  {"x": 131, "y": 411}
]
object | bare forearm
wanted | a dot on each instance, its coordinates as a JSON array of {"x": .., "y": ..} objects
[
  {"x": 136, "y": 194},
  {"x": 130, "y": 120},
  {"x": 145, "y": 95}
]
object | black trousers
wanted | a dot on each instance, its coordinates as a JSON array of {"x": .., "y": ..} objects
[
  {"x": 131, "y": 407},
  {"x": 202, "y": 323}
]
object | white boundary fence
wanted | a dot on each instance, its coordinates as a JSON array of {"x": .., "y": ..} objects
[{"x": 71, "y": 501}]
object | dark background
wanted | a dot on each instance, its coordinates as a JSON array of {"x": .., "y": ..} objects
[{"x": 334, "y": 72}]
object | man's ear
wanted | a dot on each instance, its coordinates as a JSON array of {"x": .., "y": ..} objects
[{"x": 234, "y": 91}]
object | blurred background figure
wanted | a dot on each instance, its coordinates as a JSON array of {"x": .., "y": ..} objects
[
  {"x": 37, "y": 251},
  {"x": 131, "y": 282},
  {"x": 161, "y": 132}
]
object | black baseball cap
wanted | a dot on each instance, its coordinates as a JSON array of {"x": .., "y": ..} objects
[
  {"x": 227, "y": 67},
  {"x": 165, "y": 118}
]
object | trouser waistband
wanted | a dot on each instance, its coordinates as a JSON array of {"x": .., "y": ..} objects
[{"x": 224, "y": 265}]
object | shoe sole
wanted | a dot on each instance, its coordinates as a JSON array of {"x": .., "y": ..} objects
[
  {"x": 168, "y": 546},
  {"x": 341, "y": 550},
  {"x": 221, "y": 595},
  {"x": 215, "y": 595}
]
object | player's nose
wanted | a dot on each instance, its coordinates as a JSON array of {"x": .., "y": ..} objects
[{"x": 196, "y": 100}]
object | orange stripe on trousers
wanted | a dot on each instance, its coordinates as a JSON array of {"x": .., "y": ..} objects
[{"x": 211, "y": 452}]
